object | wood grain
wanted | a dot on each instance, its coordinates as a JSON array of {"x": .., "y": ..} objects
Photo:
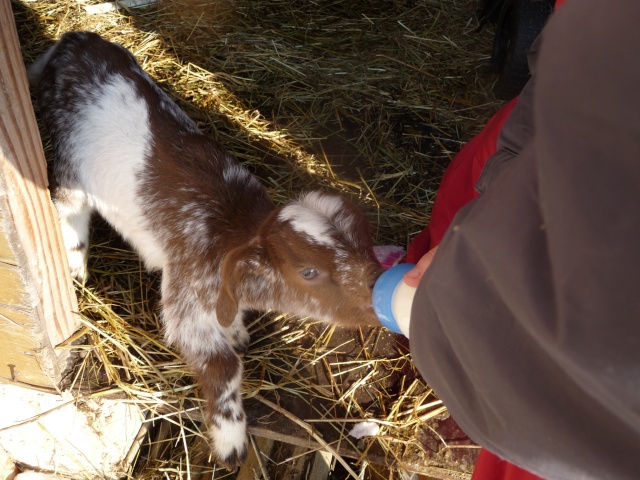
[{"x": 34, "y": 277}]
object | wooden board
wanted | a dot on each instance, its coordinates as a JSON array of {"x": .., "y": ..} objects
[
  {"x": 254, "y": 468},
  {"x": 37, "y": 300}
]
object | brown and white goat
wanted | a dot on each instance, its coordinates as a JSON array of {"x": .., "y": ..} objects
[{"x": 125, "y": 150}]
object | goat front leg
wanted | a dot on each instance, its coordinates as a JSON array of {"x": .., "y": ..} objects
[
  {"x": 220, "y": 378},
  {"x": 194, "y": 329}
]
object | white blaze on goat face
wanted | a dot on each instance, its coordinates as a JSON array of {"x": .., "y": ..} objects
[
  {"x": 309, "y": 222},
  {"x": 328, "y": 205},
  {"x": 317, "y": 215}
]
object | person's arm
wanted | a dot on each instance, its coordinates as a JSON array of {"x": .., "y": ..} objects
[{"x": 526, "y": 321}]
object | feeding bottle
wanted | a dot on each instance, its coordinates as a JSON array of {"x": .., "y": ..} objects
[{"x": 392, "y": 299}]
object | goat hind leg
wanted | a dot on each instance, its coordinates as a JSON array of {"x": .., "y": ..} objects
[{"x": 74, "y": 213}]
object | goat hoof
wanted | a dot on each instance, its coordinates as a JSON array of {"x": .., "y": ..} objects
[{"x": 234, "y": 460}]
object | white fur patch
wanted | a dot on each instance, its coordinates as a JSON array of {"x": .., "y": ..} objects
[
  {"x": 34, "y": 72},
  {"x": 228, "y": 434},
  {"x": 112, "y": 138},
  {"x": 229, "y": 438},
  {"x": 193, "y": 329},
  {"x": 309, "y": 222},
  {"x": 333, "y": 207},
  {"x": 237, "y": 333},
  {"x": 226, "y": 399},
  {"x": 234, "y": 173},
  {"x": 194, "y": 225},
  {"x": 74, "y": 215},
  {"x": 311, "y": 214},
  {"x": 327, "y": 205}
]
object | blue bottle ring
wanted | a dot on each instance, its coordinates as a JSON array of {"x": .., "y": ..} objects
[{"x": 383, "y": 292}]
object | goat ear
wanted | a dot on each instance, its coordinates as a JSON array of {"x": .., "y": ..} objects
[
  {"x": 241, "y": 266},
  {"x": 226, "y": 307},
  {"x": 227, "y": 303}
]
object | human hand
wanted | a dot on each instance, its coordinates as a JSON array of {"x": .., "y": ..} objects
[{"x": 413, "y": 276}]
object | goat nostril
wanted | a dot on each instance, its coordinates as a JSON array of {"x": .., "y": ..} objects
[{"x": 372, "y": 284}]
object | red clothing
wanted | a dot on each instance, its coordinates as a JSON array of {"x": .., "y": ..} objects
[{"x": 491, "y": 467}]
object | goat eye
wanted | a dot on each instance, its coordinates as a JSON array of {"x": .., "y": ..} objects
[{"x": 309, "y": 273}]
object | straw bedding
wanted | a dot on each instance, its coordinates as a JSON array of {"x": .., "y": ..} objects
[{"x": 371, "y": 98}]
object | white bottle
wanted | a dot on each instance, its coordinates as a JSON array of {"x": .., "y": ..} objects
[{"x": 392, "y": 299}]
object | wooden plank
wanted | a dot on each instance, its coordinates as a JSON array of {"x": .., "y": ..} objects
[
  {"x": 321, "y": 466},
  {"x": 6, "y": 255},
  {"x": 295, "y": 466},
  {"x": 255, "y": 468},
  {"x": 12, "y": 291},
  {"x": 19, "y": 362},
  {"x": 30, "y": 238}
]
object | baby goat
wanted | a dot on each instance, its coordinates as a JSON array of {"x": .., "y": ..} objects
[{"x": 124, "y": 149}]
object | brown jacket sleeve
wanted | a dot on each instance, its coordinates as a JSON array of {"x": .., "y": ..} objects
[{"x": 527, "y": 324}]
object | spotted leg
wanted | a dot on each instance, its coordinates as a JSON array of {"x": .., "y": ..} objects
[
  {"x": 204, "y": 344},
  {"x": 220, "y": 378}
]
